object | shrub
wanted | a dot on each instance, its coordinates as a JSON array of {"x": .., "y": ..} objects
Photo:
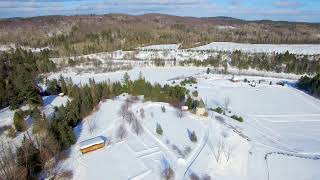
[
  {"x": 238, "y": 118},
  {"x": 159, "y": 129},
  {"x": 11, "y": 132},
  {"x": 193, "y": 137},
  {"x": 163, "y": 109},
  {"x": 194, "y": 176},
  {"x": 195, "y": 93},
  {"x": 18, "y": 121},
  {"x": 218, "y": 110},
  {"x": 190, "y": 80}
]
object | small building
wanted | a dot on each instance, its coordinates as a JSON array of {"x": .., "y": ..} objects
[
  {"x": 201, "y": 109},
  {"x": 92, "y": 144},
  {"x": 184, "y": 108}
]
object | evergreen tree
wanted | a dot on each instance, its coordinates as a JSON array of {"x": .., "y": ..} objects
[
  {"x": 193, "y": 136},
  {"x": 159, "y": 129}
]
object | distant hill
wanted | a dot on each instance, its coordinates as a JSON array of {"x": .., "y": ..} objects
[{"x": 95, "y": 33}]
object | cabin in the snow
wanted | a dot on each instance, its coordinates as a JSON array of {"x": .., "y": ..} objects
[{"x": 92, "y": 144}]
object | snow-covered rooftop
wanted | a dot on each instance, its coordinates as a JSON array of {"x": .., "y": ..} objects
[{"x": 91, "y": 142}]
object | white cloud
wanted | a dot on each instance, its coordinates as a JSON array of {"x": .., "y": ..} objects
[{"x": 287, "y": 4}]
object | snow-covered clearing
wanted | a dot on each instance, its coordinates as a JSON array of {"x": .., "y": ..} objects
[
  {"x": 306, "y": 49},
  {"x": 161, "y": 47},
  {"x": 151, "y": 74},
  {"x": 13, "y": 46},
  {"x": 290, "y": 167},
  {"x": 138, "y": 157}
]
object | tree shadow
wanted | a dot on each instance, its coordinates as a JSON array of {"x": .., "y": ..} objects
[{"x": 49, "y": 99}]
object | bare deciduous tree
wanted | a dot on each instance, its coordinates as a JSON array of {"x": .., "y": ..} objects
[
  {"x": 123, "y": 111},
  {"x": 227, "y": 103},
  {"x": 122, "y": 132},
  {"x": 129, "y": 117},
  {"x": 136, "y": 126},
  {"x": 179, "y": 113},
  {"x": 9, "y": 169},
  {"x": 142, "y": 115},
  {"x": 166, "y": 171},
  {"x": 92, "y": 125},
  {"x": 228, "y": 151},
  {"x": 218, "y": 150}
]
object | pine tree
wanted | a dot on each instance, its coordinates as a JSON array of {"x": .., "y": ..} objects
[{"x": 159, "y": 129}]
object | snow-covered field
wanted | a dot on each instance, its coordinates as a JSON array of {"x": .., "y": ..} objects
[
  {"x": 13, "y": 46},
  {"x": 160, "y": 75},
  {"x": 161, "y": 47},
  {"x": 306, "y": 49},
  {"x": 277, "y": 140}
]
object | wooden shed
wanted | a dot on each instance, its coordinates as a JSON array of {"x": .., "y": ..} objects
[{"x": 92, "y": 144}]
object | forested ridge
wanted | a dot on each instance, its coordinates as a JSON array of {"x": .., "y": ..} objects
[{"x": 74, "y": 35}]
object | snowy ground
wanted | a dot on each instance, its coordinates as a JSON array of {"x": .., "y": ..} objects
[
  {"x": 279, "y": 133},
  {"x": 162, "y": 47},
  {"x": 6, "y": 117},
  {"x": 138, "y": 157},
  {"x": 160, "y": 75},
  {"x": 278, "y": 119}
]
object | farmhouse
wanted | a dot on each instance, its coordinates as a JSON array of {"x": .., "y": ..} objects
[{"x": 91, "y": 144}]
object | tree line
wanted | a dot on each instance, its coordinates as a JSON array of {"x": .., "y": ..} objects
[
  {"x": 18, "y": 73},
  {"x": 277, "y": 62},
  {"x": 310, "y": 84}
]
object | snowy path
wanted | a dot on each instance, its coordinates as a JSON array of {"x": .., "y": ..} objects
[{"x": 197, "y": 152}]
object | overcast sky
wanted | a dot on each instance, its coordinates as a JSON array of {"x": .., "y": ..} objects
[{"x": 288, "y": 10}]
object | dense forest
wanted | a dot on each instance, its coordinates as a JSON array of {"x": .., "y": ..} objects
[
  {"x": 18, "y": 72},
  {"x": 310, "y": 84},
  {"x": 71, "y": 35}
]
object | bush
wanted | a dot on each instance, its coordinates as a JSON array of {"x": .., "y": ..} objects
[
  {"x": 18, "y": 121},
  {"x": 218, "y": 110},
  {"x": 159, "y": 129},
  {"x": 195, "y": 93},
  {"x": 194, "y": 176},
  {"x": 238, "y": 118},
  {"x": 190, "y": 80},
  {"x": 193, "y": 137},
  {"x": 163, "y": 109},
  {"x": 11, "y": 132}
]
